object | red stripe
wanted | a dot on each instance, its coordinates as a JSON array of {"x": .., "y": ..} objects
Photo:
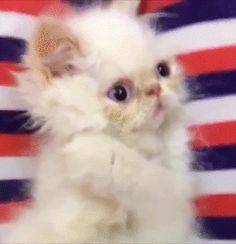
[
  {"x": 152, "y": 6},
  {"x": 34, "y": 7},
  {"x": 222, "y": 205},
  {"x": 209, "y": 61},
  {"x": 209, "y": 135},
  {"x": 6, "y": 78},
  {"x": 9, "y": 211},
  {"x": 16, "y": 145}
]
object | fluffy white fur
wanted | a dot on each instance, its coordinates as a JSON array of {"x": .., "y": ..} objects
[{"x": 107, "y": 172}]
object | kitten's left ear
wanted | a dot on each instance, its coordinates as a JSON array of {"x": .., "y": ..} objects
[
  {"x": 128, "y": 6},
  {"x": 53, "y": 48}
]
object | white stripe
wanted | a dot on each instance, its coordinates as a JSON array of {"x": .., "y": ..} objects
[
  {"x": 4, "y": 229},
  {"x": 17, "y": 168},
  {"x": 211, "y": 34},
  {"x": 16, "y": 25},
  {"x": 211, "y": 110},
  {"x": 209, "y": 182},
  {"x": 202, "y": 241},
  {"x": 198, "y": 112},
  {"x": 205, "y": 35},
  {"x": 10, "y": 99},
  {"x": 215, "y": 182}
]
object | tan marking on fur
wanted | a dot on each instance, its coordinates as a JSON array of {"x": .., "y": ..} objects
[
  {"x": 52, "y": 49},
  {"x": 49, "y": 35}
]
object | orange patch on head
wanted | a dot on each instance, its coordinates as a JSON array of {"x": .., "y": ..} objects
[
  {"x": 50, "y": 35},
  {"x": 53, "y": 48}
]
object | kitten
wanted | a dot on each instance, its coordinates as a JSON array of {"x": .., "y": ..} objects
[{"x": 115, "y": 164}]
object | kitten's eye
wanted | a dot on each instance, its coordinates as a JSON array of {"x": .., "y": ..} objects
[
  {"x": 120, "y": 92},
  {"x": 163, "y": 69}
]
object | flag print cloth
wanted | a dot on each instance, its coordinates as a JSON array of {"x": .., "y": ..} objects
[{"x": 203, "y": 33}]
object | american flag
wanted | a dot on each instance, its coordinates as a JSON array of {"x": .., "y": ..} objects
[{"x": 203, "y": 33}]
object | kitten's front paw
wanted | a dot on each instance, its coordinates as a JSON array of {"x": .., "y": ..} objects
[
  {"x": 89, "y": 161},
  {"x": 95, "y": 186}
]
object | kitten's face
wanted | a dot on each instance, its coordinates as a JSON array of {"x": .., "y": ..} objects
[
  {"x": 139, "y": 81},
  {"x": 138, "y": 85},
  {"x": 144, "y": 100}
]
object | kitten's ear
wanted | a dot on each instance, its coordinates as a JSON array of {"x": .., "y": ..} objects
[
  {"x": 53, "y": 48},
  {"x": 128, "y": 6}
]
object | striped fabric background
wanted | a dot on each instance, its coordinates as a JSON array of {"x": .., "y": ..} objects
[{"x": 204, "y": 35}]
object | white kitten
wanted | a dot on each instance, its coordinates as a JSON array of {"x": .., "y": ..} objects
[{"x": 115, "y": 165}]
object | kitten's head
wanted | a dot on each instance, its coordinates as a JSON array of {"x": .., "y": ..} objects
[{"x": 138, "y": 83}]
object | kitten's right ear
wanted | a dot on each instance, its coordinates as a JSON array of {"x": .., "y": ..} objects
[{"x": 53, "y": 48}]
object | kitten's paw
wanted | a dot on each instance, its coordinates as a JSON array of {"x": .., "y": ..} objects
[
  {"x": 89, "y": 161},
  {"x": 96, "y": 186}
]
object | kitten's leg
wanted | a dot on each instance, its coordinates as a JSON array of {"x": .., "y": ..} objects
[
  {"x": 66, "y": 218},
  {"x": 161, "y": 199},
  {"x": 159, "y": 195},
  {"x": 176, "y": 154},
  {"x": 31, "y": 227},
  {"x": 165, "y": 195},
  {"x": 89, "y": 160}
]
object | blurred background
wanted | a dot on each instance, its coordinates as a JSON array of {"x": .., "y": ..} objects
[{"x": 203, "y": 33}]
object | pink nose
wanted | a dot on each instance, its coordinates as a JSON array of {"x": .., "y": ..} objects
[{"x": 154, "y": 90}]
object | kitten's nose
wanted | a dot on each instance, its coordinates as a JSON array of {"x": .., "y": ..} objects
[{"x": 154, "y": 90}]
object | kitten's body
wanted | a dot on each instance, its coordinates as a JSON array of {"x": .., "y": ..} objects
[{"x": 107, "y": 172}]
